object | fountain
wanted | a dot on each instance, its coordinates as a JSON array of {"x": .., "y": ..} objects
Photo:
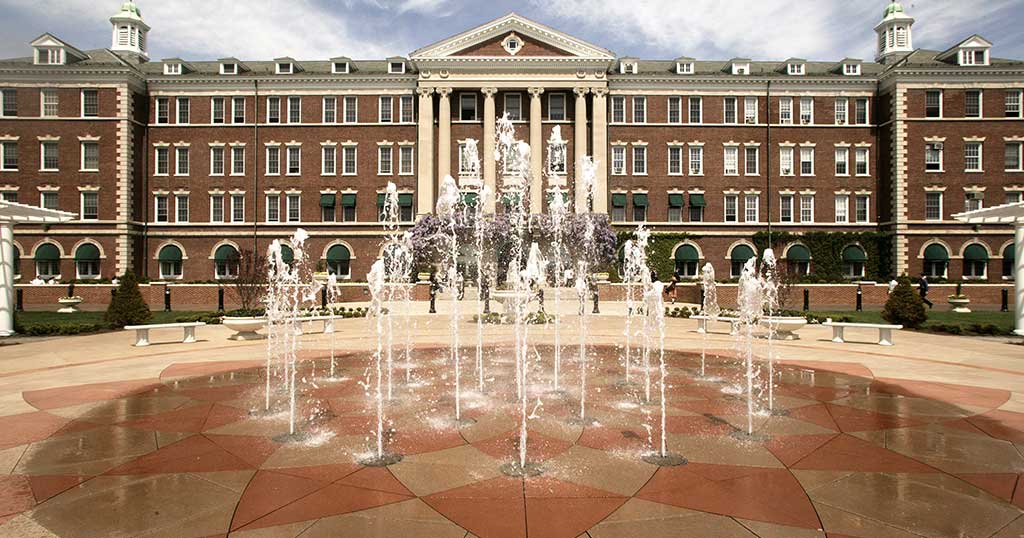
[
  {"x": 655, "y": 308},
  {"x": 557, "y": 211},
  {"x": 750, "y": 303},
  {"x": 709, "y": 309},
  {"x": 449, "y": 208},
  {"x": 585, "y": 181},
  {"x": 376, "y": 281},
  {"x": 770, "y": 287}
]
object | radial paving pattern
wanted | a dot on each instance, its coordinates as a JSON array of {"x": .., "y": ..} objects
[{"x": 184, "y": 455}]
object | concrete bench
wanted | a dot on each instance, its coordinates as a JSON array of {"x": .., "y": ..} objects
[
  {"x": 142, "y": 331},
  {"x": 328, "y": 321},
  {"x": 884, "y": 331},
  {"x": 702, "y": 323},
  {"x": 785, "y": 328}
]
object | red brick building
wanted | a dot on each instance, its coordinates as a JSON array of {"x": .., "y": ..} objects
[{"x": 174, "y": 165}]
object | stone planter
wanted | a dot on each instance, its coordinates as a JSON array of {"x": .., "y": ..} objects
[
  {"x": 601, "y": 277},
  {"x": 423, "y": 277},
  {"x": 959, "y": 304},
  {"x": 69, "y": 305},
  {"x": 245, "y": 327}
]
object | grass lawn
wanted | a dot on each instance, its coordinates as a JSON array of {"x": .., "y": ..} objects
[{"x": 1003, "y": 320}]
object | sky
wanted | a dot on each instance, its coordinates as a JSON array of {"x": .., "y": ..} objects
[{"x": 650, "y": 29}]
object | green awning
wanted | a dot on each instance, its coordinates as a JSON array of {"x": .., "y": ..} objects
[
  {"x": 170, "y": 253},
  {"x": 47, "y": 252},
  {"x": 511, "y": 198},
  {"x": 551, "y": 197},
  {"x": 936, "y": 253},
  {"x": 338, "y": 253},
  {"x": 639, "y": 200},
  {"x": 470, "y": 198},
  {"x": 1009, "y": 253},
  {"x": 854, "y": 254},
  {"x": 687, "y": 253},
  {"x": 287, "y": 254},
  {"x": 405, "y": 199},
  {"x": 976, "y": 253},
  {"x": 697, "y": 200},
  {"x": 675, "y": 200},
  {"x": 618, "y": 199},
  {"x": 381, "y": 199},
  {"x": 348, "y": 199},
  {"x": 798, "y": 253},
  {"x": 87, "y": 253},
  {"x": 328, "y": 200},
  {"x": 225, "y": 253},
  {"x": 741, "y": 253}
]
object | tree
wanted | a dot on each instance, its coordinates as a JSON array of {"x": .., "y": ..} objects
[
  {"x": 904, "y": 306},
  {"x": 127, "y": 307},
  {"x": 251, "y": 281}
]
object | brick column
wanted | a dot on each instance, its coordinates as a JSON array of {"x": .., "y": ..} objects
[
  {"x": 536, "y": 152},
  {"x": 444, "y": 133},
  {"x": 599, "y": 124},
  {"x": 425, "y": 153},
  {"x": 490, "y": 168},
  {"x": 580, "y": 143}
]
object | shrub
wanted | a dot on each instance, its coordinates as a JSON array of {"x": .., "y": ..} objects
[
  {"x": 127, "y": 307},
  {"x": 904, "y": 306},
  {"x": 50, "y": 329}
]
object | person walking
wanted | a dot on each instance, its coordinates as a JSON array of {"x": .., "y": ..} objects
[{"x": 923, "y": 289}]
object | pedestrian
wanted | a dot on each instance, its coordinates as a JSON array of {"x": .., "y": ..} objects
[
  {"x": 892, "y": 286},
  {"x": 670, "y": 290},
  {"x": 923, "y": 289}
]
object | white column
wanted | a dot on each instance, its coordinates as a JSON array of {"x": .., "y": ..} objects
[
  {"x": 580, "y": 143},
  {"x": 6, "y": 279},
  {"x": 444, "y": 133},
  {"x": 425, "y": 153},
  {"x": 1018, "y": 275},
  {"x": 599, "y": 128},
  {"x": 490, "y": 168},
  {"x": 537, "y": 152}
]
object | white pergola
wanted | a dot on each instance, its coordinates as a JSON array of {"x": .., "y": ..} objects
[
  {"x": 10, "y": 214},
  {"x": 1013, "y": 215}
]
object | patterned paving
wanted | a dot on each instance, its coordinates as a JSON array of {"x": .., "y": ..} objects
[{"x": 190, "y": 454}]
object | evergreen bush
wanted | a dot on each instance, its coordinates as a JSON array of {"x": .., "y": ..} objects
[
  {"x": 905, "y": 306},
  {"x": 127, "y": 307}
]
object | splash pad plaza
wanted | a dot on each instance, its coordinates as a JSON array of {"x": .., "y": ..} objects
[{"x": 546, "y": 417}]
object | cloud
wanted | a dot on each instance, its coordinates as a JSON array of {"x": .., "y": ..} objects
[
  {"x": 253, "y": 29},
  {"x": 825, "y": 29}
]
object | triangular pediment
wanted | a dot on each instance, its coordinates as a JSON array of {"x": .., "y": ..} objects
[{"x": 535, "y": 41}]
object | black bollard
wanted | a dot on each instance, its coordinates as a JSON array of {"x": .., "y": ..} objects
[
  {"x": 20, "y": 303},
  {"x": 860, "y": 299},
  {"x": 220, "y": 299},
  {"x": 113, "y": 293},
  {"x": 323, "y": 297},
  {"x": 702, "y": 297},
  {"x": 167, "y": 298},
  {"x": 485, "y": 291},
  {"x": 433, "y": 292},
  {"x": 71, "y": 289},
  {"x": 807, "y": 299},
  {"x": 1004, "y": 308},
  {"x": 597, "y": 310}
]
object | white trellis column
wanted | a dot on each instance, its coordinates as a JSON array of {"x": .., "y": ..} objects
[
  {"x": 1018, "y": 275},
  {"x": 6, "y": 279},
  {"x": 444, "y": 133},
  {"x": 425, "y": 153},
  {"x": 536, "y": 152},
  {"x": 490, "y": 166}
]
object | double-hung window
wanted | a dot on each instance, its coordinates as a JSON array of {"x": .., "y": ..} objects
[
  {"x": 217, "y": 208},
  {"x": 933, "y": 104},
  {"x": 161, "y": 213},
  {"x": 842, "y": 208},
  {"x": 273, "y": 160},
  {"x": 972, "y": 106},
  {"x": 751, "y": 208},
  {"x": 294, "y": 209},
  {"x": 675, "y": 110},
  {"x": 556, "y": 107},
  {"x": 295, "y": 109},
  {"x": 90, "y": 206},
  {"x": 273, "y": 208},
  {"x": 8, "y": 103},
  {"x": 750, "y": 110},
  {"x": 294, "y": 160},
  {"x": 806, "y": 161},
  {"x": 786, "y": 161},
  {"x": 786, "y": 208},
  {"x": 217, "y": 110},
  {"x": 730, "y": 110},
  {"x": 51, "y": 103},
  {"x": 328, "y": 156},
  {"x": 237, "y": 208},
  {"x": 181, "y": 161},
  {"x": 696, "y": 160},
  {"x": 639, "y": 160},
  {"x": 731, "y": 166},
  {"x": 751, "y": 161},
  {"x": 618, "y": 109},
  {"x": 842, "y": 110},
  {"x": 50, "y": 200},
  {"x": 183, "y": 110},
  {"x": 786, "y": 111},
  {"x": 181, "y": 208},
  {"x": 351, "y": 103},
  {"x": 349, "y": 156},
  {"x": 238, "y": 161},
  {"x": 273, "y": 110},
  {"x": 806, "y": 208},
  {"x": 1013, "y": 103},
  {"x": 842, "y": 161},
  {"x": 806, "y": 110},
  {"x": 618, "y": 160},
  {"x": 933, "y": 206},
  {"x": 675, "y": 160},
  {"x": 972, "y": 157},
  {"x": 162, "y": 161},
  {"x": 384, "y": 112},
  {"x": 514, "y": 106},
  {"x": 1013, "y": 157},
  {"x": 933, "y": 156},
  {"x": 90, "y": 103},
  {"x": 50, "y": 161},
  {"x": 860, "y": 111},
  {"x": 860, "y": 162},
  {"x": 696, "y": 109},
  {"x": 731, "y": 208},
  {"x": 385, "y": 162},
  {"x": 407, "y": 114},
  {"x": 406, "y": 155},
  {"x": 639, "y": 109},
  {"x": 90, "y": 156},
  {"x": 330, "y": 107},
  {"x": 467, "y": 107},
  {"x": 217, "y": 161},
  {"x": 162, "y": 110},
  {"x": 238, "y": 110},
  {"x": 861, "y": 204}
]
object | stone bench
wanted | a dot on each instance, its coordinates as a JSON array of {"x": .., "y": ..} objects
[
  {"x": 785, "y": 328},
  {"x": 328, "y": 321},
  {"x": 702, "y": 323},
  {"x": 884, "y": 331},
  {"x": 142, "y": 331}
]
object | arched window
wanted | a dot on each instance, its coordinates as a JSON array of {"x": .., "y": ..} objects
[
  {"x": 798, "y": 259},
  {"x": 936, "y": 261},
  {"x": 854, "y": 260},
  {"x": 739, "y": 255},
  {"x": 338, "y": 261},
  {"x": 287, "y": 254},
  {"x": 87, "y": 261},
  {"x": 17, "y": 262},
  {"x": 975, "y": 262},
  {"x": 1009, "y": 254},
  {"x": 48, "y": 261},
  {"x": 226, "y": 262},
  {"x": 687, "y": 261},
  {"x": 170, "y": 262}
]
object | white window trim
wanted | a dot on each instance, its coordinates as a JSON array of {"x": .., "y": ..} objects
[
  {"x": 1020, "y": 157},
  {"x": 851, "y": 73},
  {"x": 223, "y": 208},
  {"x": 800, "y": 208},
  {"x": 81, "y": 204},
  {"x": 700, "y": 108},
  {"x": 323, "y": 159},
  {"x": 941, "y": 107},
  {"x": 393, "y": 71},
  {"x": 736, "y": 110},
  {"x": 867, "y": 111},
  {"x": 266, "y": 162},
  {"x": 412, "y": 159},
  {"x": 288, "y": 206},
  {"x": 267, "y": 205},
  {"x": 42, "y": 156},
  {"x": 668, "y": 159},
  {"x": 336, "y": 71},
  {"x": 643, "y": 148},
  {"x": 846, "y": 161},
  {"x": 867, "y": 162},
  {"x": 679, "y": 101},
  {"x": 380, "y": 162},
  {"x": 233, "y": 101},
  {"x": 81, "y": 151},
  {"x": 156, "y": 208},
  {"x": 811, "y": 120},
  {"x": 801, "y": 162},
  {"x": 846, "y": 213},
  {"x": 1020, "y": 103},
  {"x": 757, "y": 208},
  {"x": 281, "y": 111},
  {"x": 505, "y": 107},
  {"x": 611, "y": 109},
  {"x": 638, "y": 99},
  {"x": 172, "y": 69},
  {"x": 981, "y": 158},
  {"x": 981, "y": 104},
  {"x": 355, "y": 109},
  {"x": 156, "y": 111},
  {"x": 231, "y": 153},
  {"x": 355, "y": 152},
  {"x": 177, "y": 208},
  {"x": 725, "y": 208},
  {"x": 232, "y": 197},
  {"x": 783, "y": 121},
  {"x": 290, "y": 100},
  {"x": 792, "y": 161},
  {"x": 42, "y": 102},
  {"x": 689, "y": 160},
  {"x": 621, "y": 172},
  {"x": 380, "y": 108},
  {"x": 81, "y": 100},
  {"x": 177, "y": 162},
  {"x": 792, "y": 204},
  {"x": 402, "y": 100},
  {"x": 232, "y": 71},
  {"x": 565, "y": 106},
  {"x": 757, "y": 106},
  {"x": 284, "y": 68},
  {"x": 757, "y": 162},
  {"x": 844, "y": 103},
  {"x": 867, "y": 208},
  {"x": 725, "y": 160},
  {"x": 288, "y": 160},
  {"x": 323, "y": 109},
  {"x": 942, "y": 203},
  {"x": 213, "y": 150},
  {"x": 476, "y": 106},
  {"x": 177, "y": 110}
]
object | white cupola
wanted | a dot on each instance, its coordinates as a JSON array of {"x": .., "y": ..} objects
[
  {"x": 894, "y": 32},
  {"x": 129, "y": 30}
]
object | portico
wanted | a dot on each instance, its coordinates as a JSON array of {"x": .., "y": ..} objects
[{"x": 514, "y": 55}]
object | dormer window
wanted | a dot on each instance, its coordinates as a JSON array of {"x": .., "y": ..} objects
[
  {"x": 629, "y": 68},
  {"x": 50, "y": 56},
  {"x": 172, "y": 69},
  {"x": 851, "y": 70},
  {"x": 684, "y": 68},
  {"x": 973, "y": 57},
  {"x": 229, "y": 68},
  {"x": 340, "y": 68},
  {"x": 796, "y": 69},
  {"x": 741, "y": 68},
  {"x": 396, "y": 68},
  {"x": 512, "y": 44},
  {"x": 285, "y": 68}
]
